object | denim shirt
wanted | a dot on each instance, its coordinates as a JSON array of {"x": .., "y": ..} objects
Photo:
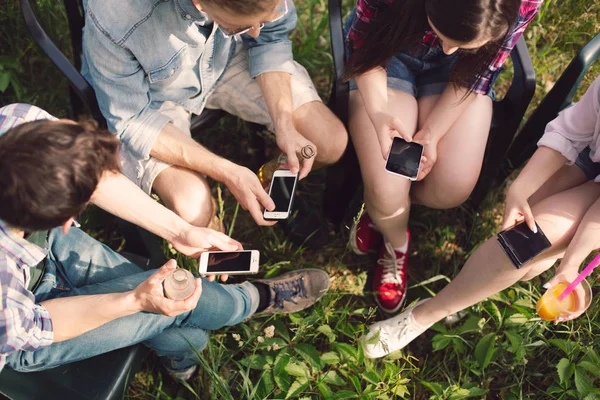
[{"x": 138, "y": 54}]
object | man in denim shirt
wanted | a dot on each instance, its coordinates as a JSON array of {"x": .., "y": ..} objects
[{"x": 153, "y": 63}]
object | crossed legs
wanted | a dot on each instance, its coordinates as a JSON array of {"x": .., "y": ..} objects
[{"x": 488, "y": 270}]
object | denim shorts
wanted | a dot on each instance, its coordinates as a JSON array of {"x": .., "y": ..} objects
[
  {"x": 590, "y": 169},
  {"x": 422, "y": 71}
]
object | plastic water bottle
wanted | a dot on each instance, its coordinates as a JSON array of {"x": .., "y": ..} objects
[{"x": 179, "y": 284}]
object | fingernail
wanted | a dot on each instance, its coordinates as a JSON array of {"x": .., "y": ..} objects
[
  {"x": 560, "y": 319},
  {"x": 546, "y": 285},
  {"x": 534, "y": 229}
]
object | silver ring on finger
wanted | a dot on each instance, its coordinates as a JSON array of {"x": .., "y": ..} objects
[{"x": 307, "y": 152}]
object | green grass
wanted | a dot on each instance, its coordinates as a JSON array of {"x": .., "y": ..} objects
[{"x": 500, "y": 349}]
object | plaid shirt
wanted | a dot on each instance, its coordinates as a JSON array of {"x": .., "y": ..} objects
[
  {"x": 367, "y": 10},
  {"x": 24, "y": 325}
]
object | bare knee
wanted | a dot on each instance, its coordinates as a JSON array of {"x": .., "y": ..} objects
[
  {"x": 194, "y": 204},
  {"x": 188, "y": 195},
  {"x": 335, "y": 141},
  {"x": 385, "y": 202},
  {"x": 442, "y": 196}
]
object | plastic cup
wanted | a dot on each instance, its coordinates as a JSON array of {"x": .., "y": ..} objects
[{"x": 549, "y": 308}]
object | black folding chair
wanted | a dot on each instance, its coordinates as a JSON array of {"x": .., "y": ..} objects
[
  {"x": 559, "y": 97},
  {"x": 345, "y": 178}
]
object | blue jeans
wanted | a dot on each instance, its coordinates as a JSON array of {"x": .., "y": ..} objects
[{"x": 79, "y": 265}]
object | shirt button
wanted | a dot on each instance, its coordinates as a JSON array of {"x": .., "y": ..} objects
[
  {"x": 172, "y": 71},
  {"x": 187, "y": 16}
]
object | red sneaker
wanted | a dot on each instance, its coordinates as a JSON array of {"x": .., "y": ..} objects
[
  {"x": 364, "y": 236},
  {"x": 389, "y": 281}
]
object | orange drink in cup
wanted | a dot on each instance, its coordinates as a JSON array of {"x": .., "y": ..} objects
[{"x": 550, "y": 308}]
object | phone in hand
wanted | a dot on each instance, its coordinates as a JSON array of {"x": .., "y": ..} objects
[
  {"x": 521, "y": 244},
  {"x": 404, "y": 158},
  {"x": 282, "y": 191},
  {"x": 229, "y": 262}
]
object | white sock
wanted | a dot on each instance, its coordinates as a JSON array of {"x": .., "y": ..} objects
[{"x": 403, "y": 248}]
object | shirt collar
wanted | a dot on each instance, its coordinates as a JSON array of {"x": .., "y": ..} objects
[
  {"x": 189, "y": 12},
  {"x": 19, "y": 248}
]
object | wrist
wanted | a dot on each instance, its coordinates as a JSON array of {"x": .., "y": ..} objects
[
  {"x": 283, "y": 122},
  {"x": 132, "y": 302},
  {"x": 223, "y": 170}
]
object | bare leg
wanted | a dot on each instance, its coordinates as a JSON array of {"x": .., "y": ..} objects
[
  {"x": 489, "y": 271},
  {"x": 386, "y": 195},
  {"x": 460, "y": 155},
  {"x": 186, "y": 193},
  {"x": 565, "y": 178},
  {"x": 318, "y": 124}
]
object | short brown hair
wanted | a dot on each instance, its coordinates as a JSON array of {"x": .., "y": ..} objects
[
  {"x": 49, "y": 171},
  {"x": 244, "y": 7}
]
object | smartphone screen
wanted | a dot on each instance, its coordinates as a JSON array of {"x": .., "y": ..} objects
[
  {"x": 523, "y": 243},
  {"x": 229, "y": 262},
  {"x": 404, "y": 158},
  {"x": 282, "y": 190}
]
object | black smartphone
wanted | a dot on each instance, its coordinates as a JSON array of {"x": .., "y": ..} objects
[
  {"x": 521, "y": 244},
  {"x": 404, "y": 158},
  {"x": 282, "y": 190}
]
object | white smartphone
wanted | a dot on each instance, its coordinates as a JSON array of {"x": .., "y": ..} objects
[
  {"x": 404, "y": 158},
  {"x": 282, "y": 190},
  {"x": 229, "y": 262}
]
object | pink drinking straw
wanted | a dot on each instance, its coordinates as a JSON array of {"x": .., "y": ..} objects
[{"x": 588, "y": 270}]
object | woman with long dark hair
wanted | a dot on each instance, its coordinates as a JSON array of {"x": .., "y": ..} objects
[{"x": 424, "y": 70}]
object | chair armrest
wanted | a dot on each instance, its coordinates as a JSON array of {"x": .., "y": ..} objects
[
  {"x": 83, "y": 89},
  {"x": 559, "y": 97},
  {"x": 523, "y": 84},
  {"x": 340, "y": 92}
]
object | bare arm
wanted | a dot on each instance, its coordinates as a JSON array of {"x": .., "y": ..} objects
[
  {"x": 175, "y": 147},
  {"x": 277, "y": 91},
  {"x": 586, "y": 240},
  {"x": 74, "y": 316},
  {"x": 544, "y": 163},
  {"x": 451, "y": 105},
  {"x": 119, "y": 196},
  {"x": 373, "y": 90}
]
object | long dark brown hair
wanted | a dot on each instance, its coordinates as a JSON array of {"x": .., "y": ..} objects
[{"x": 401, "y": 24}]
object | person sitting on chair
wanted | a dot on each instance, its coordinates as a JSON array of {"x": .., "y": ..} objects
[
  {"x": 155, "y": 63},
  {"x": 66, "y": 297},
  {"x": 558, "y": 189}
]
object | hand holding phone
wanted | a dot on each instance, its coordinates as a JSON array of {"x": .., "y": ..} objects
[
  {"x": 282, "y": 191},
  {"x": 229, "y": 262},
  {"x": 521, "y": 244},
  {"x": 404, "y": 158}
]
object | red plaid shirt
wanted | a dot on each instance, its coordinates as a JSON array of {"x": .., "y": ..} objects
[{"x": 367, "y": 10}]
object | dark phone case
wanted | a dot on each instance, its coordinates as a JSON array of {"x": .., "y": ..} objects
[
  {"x": 512, "y": 253},
  {"x": 420, "y": 155},
  {"x": 291, "y": 206}
]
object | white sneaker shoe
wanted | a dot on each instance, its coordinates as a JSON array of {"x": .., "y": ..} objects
[{"x": 390, "y": 335}]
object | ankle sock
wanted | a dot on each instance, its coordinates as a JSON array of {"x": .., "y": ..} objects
[
  {"x": 264, "y": 295},
  {"x": 403, "y": 248}
]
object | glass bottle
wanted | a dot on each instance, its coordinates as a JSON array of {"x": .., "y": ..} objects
[
  {"x": 266, "y": 171},
  {"x": 179, "y": 284}
]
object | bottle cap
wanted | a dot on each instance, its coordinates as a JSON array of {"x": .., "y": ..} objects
[{"x": 179, "y": 285}]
